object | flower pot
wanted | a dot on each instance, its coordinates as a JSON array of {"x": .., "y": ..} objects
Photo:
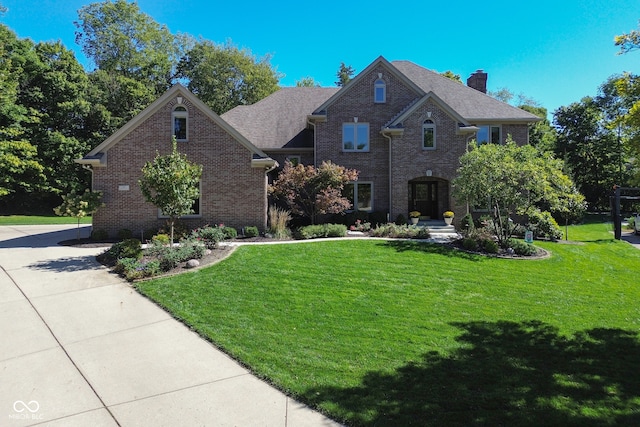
[
  {"x": 414, "y": 221},
  {"x": 448, "y": 220}
]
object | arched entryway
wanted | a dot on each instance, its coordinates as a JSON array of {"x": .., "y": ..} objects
[{"x": 429, "y": 196}]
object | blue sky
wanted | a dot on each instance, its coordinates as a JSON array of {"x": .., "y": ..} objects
[{"x": 555, "y": 52}]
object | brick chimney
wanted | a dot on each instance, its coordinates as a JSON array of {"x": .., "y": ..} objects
[{"x": 478, "y": 81}]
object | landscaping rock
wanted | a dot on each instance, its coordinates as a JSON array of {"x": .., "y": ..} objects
[{"x": 193, "y": 263}]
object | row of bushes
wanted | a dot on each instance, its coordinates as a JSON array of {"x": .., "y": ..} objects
[{"x": 180, "y": 232}]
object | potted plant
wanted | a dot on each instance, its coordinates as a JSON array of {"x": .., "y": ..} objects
[
  {"x": 415, "y": 217},
  {"x": 448, "y": 217}
]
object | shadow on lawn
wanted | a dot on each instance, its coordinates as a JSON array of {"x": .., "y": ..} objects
[
  {"x": 432, "y": 248},
  {"x": 505, "y": 374}
]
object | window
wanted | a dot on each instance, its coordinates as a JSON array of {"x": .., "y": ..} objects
[
  {"x": 379, "y": 91},
  {"x": 429, "y": 135},
  {"x": 355, "y": 137},
  {"x": 295, "y": 160},
  {"x": 488, "y": 134},
  {"x": 360, "y": 194},
  {"x": 180, "y": 123}
]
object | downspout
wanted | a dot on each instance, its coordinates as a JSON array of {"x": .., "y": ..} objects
[
  {"x": 315, "y": 145},
  {"x": 390, "y": 175}
]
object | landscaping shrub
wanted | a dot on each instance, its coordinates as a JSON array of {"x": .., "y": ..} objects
[
  {"x": 278, "y": 221},
  {"x": 470, "y": 243},
  {"x": 130, "y": 248},
  {"x": 322, "y": 230},
  {"x": 99, "y": 235},
  {"x": 401, "y": 220},
  {"x": 251, "y": 231},
  {"x": 161, "y": 239},
  {"x": 543, "y": 224},
  {"x": 230, "y": 233},
  {"x": 521, "y": 247},
  {"x": 396, "y": 231},
  {"x": 467, "y": 227},
  {"x": 124, "y": 234},
  {"x": 360, "y": 226},
  {"x": 209, "y": 236},
  {"x": 490, "y": 246}
]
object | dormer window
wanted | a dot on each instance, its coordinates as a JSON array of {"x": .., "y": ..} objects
[
  {"x": 380, "y": 91},
  {"x": 179, "y": 117},
  {"x": 428, "y": 135}
]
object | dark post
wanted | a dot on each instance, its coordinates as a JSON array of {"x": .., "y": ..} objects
[{"x": 617, "y": 223}]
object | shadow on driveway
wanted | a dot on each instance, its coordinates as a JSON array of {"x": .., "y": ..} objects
[
  {"x": 68, "y": 264},
  {"x": 44, "y": 240}
]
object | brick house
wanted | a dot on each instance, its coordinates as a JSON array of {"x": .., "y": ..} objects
[
  {"x": 402, "y": 126},
  {"x": 233, "y": 187}
]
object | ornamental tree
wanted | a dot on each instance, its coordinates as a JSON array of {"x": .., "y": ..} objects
[
  {"x": 170, "y": 182},
  {"x": 79, "y": 205},
  {"x": 512, "y": 179},
  {"x": 310, "y": 192}
]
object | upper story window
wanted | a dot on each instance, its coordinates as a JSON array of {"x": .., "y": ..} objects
[
  {"x": 294, "y": 160},
  {"x": 179, "y": 117},
  {"x": 379, "y": 91},
  {"x": 429, "y": 135},
  {"x": 488, "y": 134},
  {"x": 355, "y": 137}
]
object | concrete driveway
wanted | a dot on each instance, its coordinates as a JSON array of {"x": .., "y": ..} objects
[{"x": 80, "y": 347}]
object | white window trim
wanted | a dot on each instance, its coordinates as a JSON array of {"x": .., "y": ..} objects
[
  {"x": 379, "y": 84},
  {"x": 355, "y": 196},
  {"x": 431, "y": 125},
  {"x": 180, "y": 114},
  {"x": 355, "y": 136}
]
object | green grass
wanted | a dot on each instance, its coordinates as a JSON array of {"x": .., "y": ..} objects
[
  {"x": 40, "y": 220},
  {"x": 406, "y": 333}
]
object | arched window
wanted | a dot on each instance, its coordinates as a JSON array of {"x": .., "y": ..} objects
[
  {"x": 179, "y": 117},
  {"x": 429, "y": 135},
  {"x": 379, "y": 91}
]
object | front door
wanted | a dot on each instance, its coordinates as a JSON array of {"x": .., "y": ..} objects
[{"x": 423, "y": 198}]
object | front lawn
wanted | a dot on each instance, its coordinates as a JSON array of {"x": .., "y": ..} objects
[
  {"x": 402, "y": 333},
  {"x": 40, "y": 220}
]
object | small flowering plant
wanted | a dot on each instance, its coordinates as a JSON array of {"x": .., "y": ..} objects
[
  {"x": 414, "y": 214},
  {"x": 448, "y": 214}
]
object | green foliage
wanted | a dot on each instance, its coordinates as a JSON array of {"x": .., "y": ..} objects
[
  {"x": 520, "y": 247},
  {"x": 99, "y": 235},
  {"x": 230, "y": 233},
  {"x": 225, "y": 76},
  {"x": 124, "y": 234},
  {"x": 79, "y": 205},
  {"x": 251, "y": 231},
  {"x": 470, "y": 243},
  {"x": 403, "y": 231},
  {"x": 169, "y": 257},
  {"x": 161, "y": 239},
  {"x": 209, "y": 236},
  {"x": 131, "y": 248},
  {"x": 490, "y": 246},
  {"x": 19, "y": 166},
  {"x": 514, "y": 179},
  {"x": 309, "y": 192},
  {"x": 170, "y": 182},
  {"x": 466, "y": 224},
  {"x": 322, "y": 230},
  {"x": 543, "y": 224},
  {"x": 400, "y": 220},
  {"x": 344, "y": 74}
]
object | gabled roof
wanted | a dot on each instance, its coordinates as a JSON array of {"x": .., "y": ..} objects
[
  {"x": 469, "y": 103},
  {"x": 98, "y": 157},
  {"x": 279, "y": 120},
  {"x": 465, "y": 102}
]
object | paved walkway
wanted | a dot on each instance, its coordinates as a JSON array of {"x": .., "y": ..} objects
[{"x": 81, "y": 348}]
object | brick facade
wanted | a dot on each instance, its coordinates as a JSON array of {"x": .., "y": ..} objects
[{"x": 232, "y": 191}]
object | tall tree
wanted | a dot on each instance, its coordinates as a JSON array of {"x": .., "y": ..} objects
[
  {"x": 451, "y": 75},
  {"x": 344, "y": 74},
  {"x": 589, "y": 150},
  {"x": 307, "y": 82},
  {"x": 224, "y": 76},
  {"x": 119, "y": 38},
  {"x": 628, "y": 42},
  {"x": 541, "y": 134}
]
